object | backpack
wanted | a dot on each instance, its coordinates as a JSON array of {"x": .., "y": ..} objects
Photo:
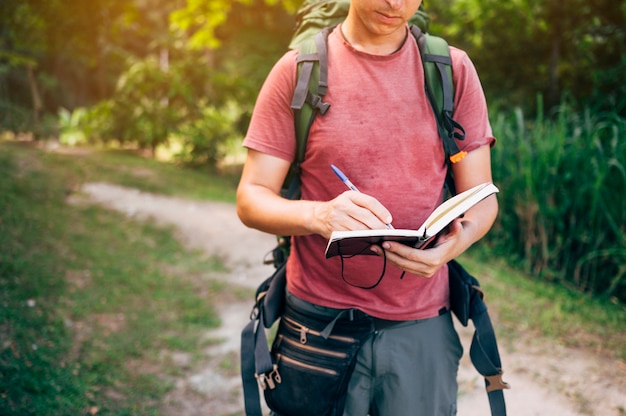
[{"x": 315, "y": 20}]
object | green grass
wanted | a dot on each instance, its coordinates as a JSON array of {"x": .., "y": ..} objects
[{"x": 90, "y": 300}]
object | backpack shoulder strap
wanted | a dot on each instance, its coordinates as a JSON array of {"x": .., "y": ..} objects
[
  {"x": 466, "y": 298},
  {"x": 435, "y": 54},
  {"x": 311, "y": 87},
  {"x": 307, "y": 102}
]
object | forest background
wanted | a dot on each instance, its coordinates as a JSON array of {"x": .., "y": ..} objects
[{"x": 180, "y": 77}]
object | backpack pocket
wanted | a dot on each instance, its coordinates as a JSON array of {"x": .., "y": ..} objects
[{"x": 311, "y": 372}]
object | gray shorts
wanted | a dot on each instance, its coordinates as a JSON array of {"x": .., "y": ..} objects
[{"x": 408, "y": 369}]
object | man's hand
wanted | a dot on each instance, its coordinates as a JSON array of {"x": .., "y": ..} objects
[
  {"x": 350, "y": 210},
  {"x": 424, "y": 263}
]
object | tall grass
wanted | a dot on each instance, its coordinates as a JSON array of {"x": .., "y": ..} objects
[{"x": 563, "y": 199}]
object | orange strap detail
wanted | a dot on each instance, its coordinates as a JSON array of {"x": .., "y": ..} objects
[{"x": 458, "y": 157}]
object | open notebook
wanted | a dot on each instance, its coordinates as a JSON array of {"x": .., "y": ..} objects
[{"x": 351, "y": 243}]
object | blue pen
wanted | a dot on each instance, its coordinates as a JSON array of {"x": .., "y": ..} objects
[
  {"x": 343, "y": 178},
  {"x": 349, "y": 184}
]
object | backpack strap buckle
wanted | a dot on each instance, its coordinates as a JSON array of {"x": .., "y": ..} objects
[
  {"x": 269, "y": 380},
  {"x": 495, "y": 382},
  {"x": 260, "y": 378},
  {"x": 317, "y": 103}
]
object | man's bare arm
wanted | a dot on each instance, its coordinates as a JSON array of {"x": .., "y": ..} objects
[{"x": 260, "y": 206}]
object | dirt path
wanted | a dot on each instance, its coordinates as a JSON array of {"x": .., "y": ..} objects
[{"x": 547, "y": 379}]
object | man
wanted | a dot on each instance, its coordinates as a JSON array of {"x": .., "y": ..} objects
[{"x": 381, "y": 131}]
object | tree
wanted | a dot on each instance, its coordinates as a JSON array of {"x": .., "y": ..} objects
[
  {"x": 525, "y": 47},
  {"x": 185, "y": 82},
  {"x": 58, "y": 53},
  {"x": 20, "y": 40},
  {"x": 140, "y": 71}
]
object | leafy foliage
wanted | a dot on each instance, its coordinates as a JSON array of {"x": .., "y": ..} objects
[
  {"x": 199, "y": 97},
  {"x": 562, "y": 209},
  {"x": 206, "y": 137},
  {"x": 525, "y": 47}
]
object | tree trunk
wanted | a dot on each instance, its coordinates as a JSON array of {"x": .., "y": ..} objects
[
  {"x": 34, "y": 91},
  {"x": 553, "y": 70}
]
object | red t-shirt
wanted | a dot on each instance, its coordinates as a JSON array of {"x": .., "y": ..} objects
[{"x": 381, "y": 132}]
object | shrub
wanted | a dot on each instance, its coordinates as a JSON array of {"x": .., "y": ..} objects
[{"x": 563, "y": 210}]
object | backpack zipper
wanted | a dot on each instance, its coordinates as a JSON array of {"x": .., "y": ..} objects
[
  {"x": 308, "y": 348},
  {"x": 300, "y": 364},
  {"x": 303, "y": 330}
]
